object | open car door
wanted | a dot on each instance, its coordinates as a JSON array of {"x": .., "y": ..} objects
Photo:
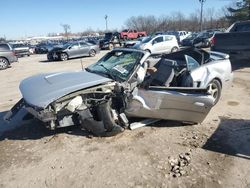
[{"x": 180, "y": 104}]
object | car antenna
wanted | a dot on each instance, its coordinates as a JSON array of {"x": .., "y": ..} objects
[{"x": 81, "y": 63}]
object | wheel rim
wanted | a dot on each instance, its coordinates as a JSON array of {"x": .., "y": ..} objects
[
  {"x": 111, "y": 46},
  {"x": 3, "y": 63},
  {"x": 213, "y": 90},
  {"x": 92, "y": 53},
  {"x": 63, "y": 57},
  {"x": 174, "y": 50}
]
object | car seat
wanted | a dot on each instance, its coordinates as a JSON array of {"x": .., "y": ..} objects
[{"x": 164, "y": 74}]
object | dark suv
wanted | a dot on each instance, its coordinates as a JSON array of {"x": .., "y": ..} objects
[{"x": 7, "y": 56}]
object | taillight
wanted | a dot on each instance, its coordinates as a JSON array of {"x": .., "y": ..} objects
[
  {"x": 213, "y": 41},
  {"x": 14, "y": 53}
]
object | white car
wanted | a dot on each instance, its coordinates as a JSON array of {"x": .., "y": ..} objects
[{"x": 159, "y": 44}]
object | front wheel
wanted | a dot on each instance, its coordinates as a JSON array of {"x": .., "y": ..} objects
[
  {"x": 3, "y": 63},
  {"x": 111, "y": 46},
  {"x": 214, "y": 88},
  {"x": 63, "y": 56}
]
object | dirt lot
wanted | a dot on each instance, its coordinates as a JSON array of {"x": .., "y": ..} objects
[{"x": 217, "y": 151}]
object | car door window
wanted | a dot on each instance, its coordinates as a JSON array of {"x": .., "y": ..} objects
[
  {"x": 242, "y": 28},
  {"x": 83, "y": 44},
  {"x": 191, "y": 63},
  {"x": 4, "y": 47},
  {"x": 168, "y": 38},
  {"x": 74, "y": 46},
  {"x": 158, "y": 40}
]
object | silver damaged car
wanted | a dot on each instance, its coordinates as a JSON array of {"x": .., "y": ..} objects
[{"x": 126, "y": 83}]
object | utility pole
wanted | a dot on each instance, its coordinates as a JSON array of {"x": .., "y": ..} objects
[
  {"x": 106, "y": 20},
  {"x": 201, "y": 16}
]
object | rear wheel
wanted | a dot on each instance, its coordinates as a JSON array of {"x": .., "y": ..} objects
[
  {"x": 174, "y": 49},
  {"x": 3, "y": 63},
  {"x": 92, "y": 53},
  {"x": 214, "y": 88},
  {"x": 64, "y": 56}
]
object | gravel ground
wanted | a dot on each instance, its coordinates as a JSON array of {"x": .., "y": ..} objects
[{"x": 214, "y": 153}]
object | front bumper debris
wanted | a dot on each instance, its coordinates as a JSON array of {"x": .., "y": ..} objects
[{"x": 14, "y": 110}]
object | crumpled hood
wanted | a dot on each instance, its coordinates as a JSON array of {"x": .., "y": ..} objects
[{"x": 42, "y": 89}]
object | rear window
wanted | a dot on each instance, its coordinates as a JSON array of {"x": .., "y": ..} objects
[
  {"x": 242, "y": 28},
  {"x": 4, "y": 47}
]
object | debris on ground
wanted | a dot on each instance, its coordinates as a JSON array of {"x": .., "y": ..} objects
[{"x": 178, "y": 165}]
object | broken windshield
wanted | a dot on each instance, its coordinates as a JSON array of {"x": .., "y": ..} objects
[{"x": 117, "y": 65}]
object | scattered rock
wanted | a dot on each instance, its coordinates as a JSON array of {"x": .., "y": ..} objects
[
  {"x": 178, "y": 165},
  {"x": 195, "y": 137}
]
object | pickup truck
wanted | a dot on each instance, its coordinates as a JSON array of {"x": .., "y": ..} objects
[
  {"x": 7, "y": 56},
  {"x": 132, "y": 34},
  {"x": 235, "y": 42}
]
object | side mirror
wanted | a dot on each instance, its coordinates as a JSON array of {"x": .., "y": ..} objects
[{"x": 154, "y": 42}]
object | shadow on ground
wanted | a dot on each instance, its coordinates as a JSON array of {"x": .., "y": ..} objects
[
  {"x": 232, "y": 137},
  {"x": 47, "y": 61},
  {"x": 32, "y": 129}
]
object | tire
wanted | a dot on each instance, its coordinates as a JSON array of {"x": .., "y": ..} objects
[
  {"x": 111, "y": 46},
  {"x": 92, "y": 53},
  {"x": 214, "y": 88},
  {"x": 64, "y": 56},
  {"x": 174, "y": 49},
  {"x": 4, "y": 63}
]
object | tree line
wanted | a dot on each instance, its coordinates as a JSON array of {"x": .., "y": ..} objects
[
  {"x": 212, "y": 19},
  {"x": 177, "y": 21}
]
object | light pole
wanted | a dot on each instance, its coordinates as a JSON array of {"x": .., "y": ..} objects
[
  {"x": 106, "y": 20},
  {"x": 201, "y": 16}
]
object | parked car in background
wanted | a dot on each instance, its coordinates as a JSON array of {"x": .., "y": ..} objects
[
  {"x": 183, "y": 35},
  {"x": 204, "y": 39},
  {"x": 7, "y": 56},
  {"x": 184, "y": 87},
  {"x": 110, "y": 40},
  {"x": 180, "y": 35},
  {"x": 159, "y": 44},
  {"x": 44, "y": 48},
  {"x": 235, "y": 41},
  {"x": 72, "y": 50},
  {"x": 131, "y": 43},
  {"x": 189, "y": 40},
  {"x": 21, "y": 49},
  {"x": 132, "y": 34}
]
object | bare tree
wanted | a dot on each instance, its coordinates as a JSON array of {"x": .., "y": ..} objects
[
  {"x": 66, "y": 28},
  {"x": 176, "y": 21}
]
